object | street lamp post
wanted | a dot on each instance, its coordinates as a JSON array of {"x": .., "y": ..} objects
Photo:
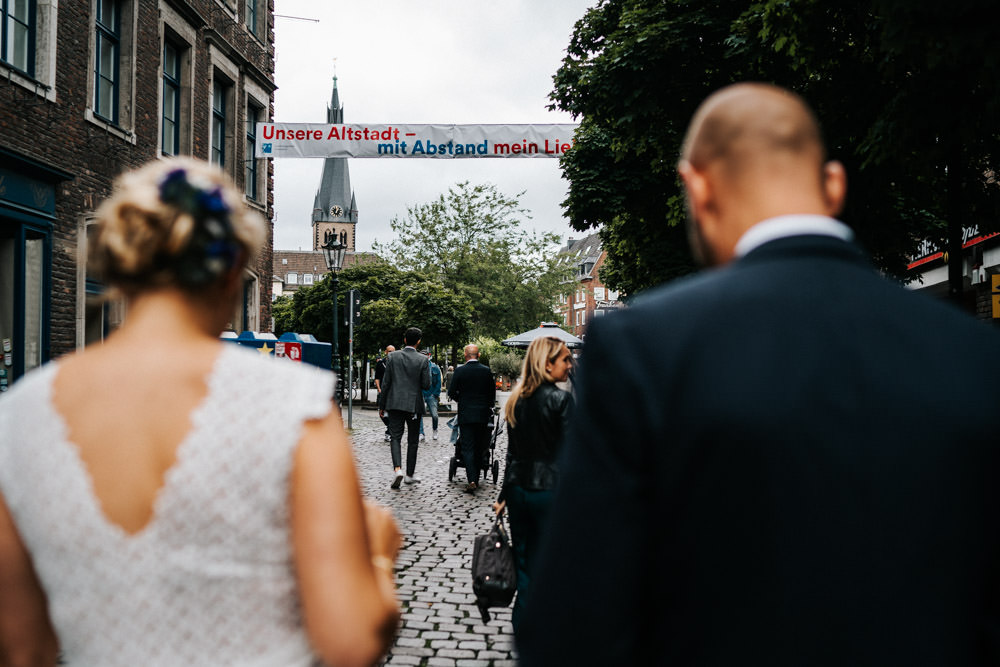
[{"x": 334, "y": 249}]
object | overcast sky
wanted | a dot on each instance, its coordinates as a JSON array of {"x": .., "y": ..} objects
[{"x": 433, "y": 61}]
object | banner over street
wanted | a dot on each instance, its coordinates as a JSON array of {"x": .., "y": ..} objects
[{"x": 277, "y": 140}]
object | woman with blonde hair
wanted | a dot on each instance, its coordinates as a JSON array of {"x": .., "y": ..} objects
[
  {"x": 158, "y": 505},
  {"x": 537, "y": 415}
]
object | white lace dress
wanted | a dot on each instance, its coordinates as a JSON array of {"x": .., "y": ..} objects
[{"x": 209, "y": 581}]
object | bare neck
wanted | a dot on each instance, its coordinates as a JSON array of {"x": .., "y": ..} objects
[{"x": 169, "y": 316}]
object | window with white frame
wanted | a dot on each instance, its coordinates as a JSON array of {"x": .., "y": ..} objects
[
  {"x": 251, "y": 15},
  {"x": 255, "y": 18},
  {"x": 599, "y": 293},
  {"x": 28, "y": 45},
  {"x": 251, "y": 185},
  {"x": 225, "y": 110},
  {"x": 112, "y": 67},
  {"x": 176, "y": 111},
  {"x": 106, "y": 58},
  {"x": 307, "y": 279},
  {"x": 220, "y": 120},
  {"x": 291, "y": 278},
  {"x": 256, "y": 100},
  {"x": 170, "y": 139},
  {"x": 18, "y": 34}
]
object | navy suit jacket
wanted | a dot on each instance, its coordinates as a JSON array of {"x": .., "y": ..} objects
[
  {"x": 800, "y": 466},
  {"x": 474, "y": 388}
]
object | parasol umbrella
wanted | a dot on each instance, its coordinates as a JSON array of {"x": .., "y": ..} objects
[{"x": 550, "y": 329}]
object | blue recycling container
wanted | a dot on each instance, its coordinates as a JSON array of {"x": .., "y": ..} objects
[{"x": 296, "y": 347}]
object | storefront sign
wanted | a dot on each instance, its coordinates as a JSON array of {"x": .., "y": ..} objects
[
  {"x": 928, "y": 251},
  {"x": 278, "y": 140},
  {"x": 996, "y": 295}
]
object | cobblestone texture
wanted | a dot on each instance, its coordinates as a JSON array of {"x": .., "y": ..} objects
[{"x": 441, "y": 624}]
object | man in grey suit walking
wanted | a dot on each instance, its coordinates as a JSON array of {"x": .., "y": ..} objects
[{"x": 407, "y": 374}]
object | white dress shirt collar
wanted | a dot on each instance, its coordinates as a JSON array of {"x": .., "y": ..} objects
[{"x": 791, "y": 225}]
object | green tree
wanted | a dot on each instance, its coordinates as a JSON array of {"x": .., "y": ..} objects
[
  {"x": 488, "y": 348},
  {"x": 507, "y": 363},
  {"x": 634, "y": 72},
  {"x": 391, "y": 301},
  {"x": 283, "y": 312},
  {"x": 920, "y": 141},
  {"x": 903, "y": 87},
  {"x": 472, "y": 241},
  {"x": 444, "y": 318},
  {"x": 381, "y": 324}
]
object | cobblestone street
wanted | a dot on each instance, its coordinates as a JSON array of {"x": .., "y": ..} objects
[{"x": 441, "y": 625}]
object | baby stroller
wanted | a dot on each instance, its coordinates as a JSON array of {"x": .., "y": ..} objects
[{"x": 489, "y": 464}]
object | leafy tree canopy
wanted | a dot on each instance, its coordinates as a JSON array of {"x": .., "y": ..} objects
[
  {"x": 391, "y": 301},
  {"x": 471, "y": 240},
  {"x": 904, "y": 89}
]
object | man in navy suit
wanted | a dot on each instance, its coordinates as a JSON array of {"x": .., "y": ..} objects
[
  {"x": 474, "y": 389},
  {"x": 807, "y": 468}
]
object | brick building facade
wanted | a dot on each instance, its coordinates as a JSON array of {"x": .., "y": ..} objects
[
  {"x": 89, "y": 89},
  {"x": 588, "y": 298}
]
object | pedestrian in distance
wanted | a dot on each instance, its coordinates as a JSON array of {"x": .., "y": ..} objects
[
  {"x": 537, "y": 414},
  {"x": 431, "y": 396},
  {"x": 804, "y": 471},
  {"x": 473, "y": 390},
  {"x": 379, "y": 374},
  {"x": 406, "y": 376},
  {"x": 181, "y": 516}
]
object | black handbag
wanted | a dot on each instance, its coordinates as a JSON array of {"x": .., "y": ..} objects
[{"x": 494, "y": 578}]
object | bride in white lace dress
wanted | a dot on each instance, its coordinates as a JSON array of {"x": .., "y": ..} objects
[{"x": 169, "y": 499}]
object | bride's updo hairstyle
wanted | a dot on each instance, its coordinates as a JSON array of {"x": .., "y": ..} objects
[{"x": 176, "y": 222}]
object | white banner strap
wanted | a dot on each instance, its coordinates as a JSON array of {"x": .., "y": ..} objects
[{"x": 279, "y": 140}]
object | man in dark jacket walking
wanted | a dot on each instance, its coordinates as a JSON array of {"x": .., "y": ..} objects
[
  {"x": 406, "y": 376},
  {"x": 472, "y": 387}
]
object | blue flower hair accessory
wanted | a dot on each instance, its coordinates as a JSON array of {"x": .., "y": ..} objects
[{"x": 212, "y": 249}]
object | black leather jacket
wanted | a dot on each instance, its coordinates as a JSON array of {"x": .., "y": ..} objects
[{"x": 533, "y": 444}]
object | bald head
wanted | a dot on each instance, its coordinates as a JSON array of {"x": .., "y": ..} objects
[
  {"x": 753, "y": 151},
  {"x": 471, "y": 351}
]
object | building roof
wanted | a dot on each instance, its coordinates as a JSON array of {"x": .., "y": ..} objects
[
  {"x": 312, "y": 261},
  {"x": 582, "y": 252}
]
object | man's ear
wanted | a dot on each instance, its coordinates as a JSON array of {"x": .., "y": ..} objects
[
  {"x": 697, "y": 187},
  {"x": 834, "y": 187}
]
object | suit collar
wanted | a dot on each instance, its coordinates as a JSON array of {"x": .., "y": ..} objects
[
  {"x": 805, "y": 245},
  {"x": 791, "y": 225}
]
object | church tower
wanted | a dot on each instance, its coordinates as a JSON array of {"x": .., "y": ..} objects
[{"x": 335, "y": 207}]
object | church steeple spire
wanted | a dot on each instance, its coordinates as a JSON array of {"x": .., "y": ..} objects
[
  {"x": 335, "y": 207},
  {"x": 335, "y": 112}
]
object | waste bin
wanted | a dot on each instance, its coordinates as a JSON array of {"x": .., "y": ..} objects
[{"x": 291, "y": 346}]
